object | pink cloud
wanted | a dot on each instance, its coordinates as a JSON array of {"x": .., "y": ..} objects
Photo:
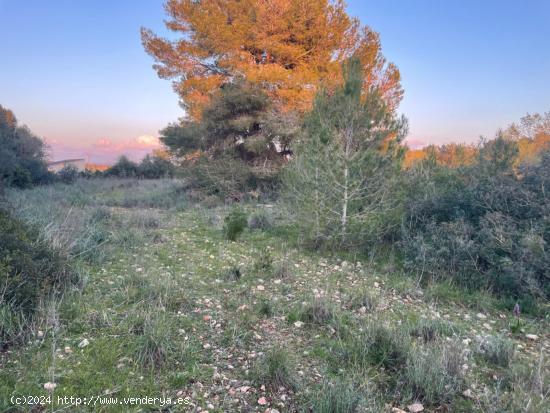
[
  {"x": 105, "y": 150},
  {"x": 415, "y": 143}
]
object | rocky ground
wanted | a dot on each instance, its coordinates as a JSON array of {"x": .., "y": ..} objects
[{"x": 176, "y": 310}]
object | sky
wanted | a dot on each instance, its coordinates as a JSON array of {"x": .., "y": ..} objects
[{"x": 76, "y": 73}]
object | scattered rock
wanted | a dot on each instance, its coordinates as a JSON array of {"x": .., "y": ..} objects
[
  {"x": 397, "y": 410},
  {"x": 260, "y": 288},
  {"x": 298, "y": 324},
  {"x": 83, "y": 343},
  {"x": 532, "y": 337},
  {"x": 481, "y": 316},
  {"x": 262, "y": 401},
  {"x": 468, "y": 393},
  {"x": 50, "y": 386},
  {"x": 415, "y": 408}
]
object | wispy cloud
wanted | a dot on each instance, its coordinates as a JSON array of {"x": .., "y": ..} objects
[
  {"x": 415, "y": 143},
  {"x": 105, "y": 150}
]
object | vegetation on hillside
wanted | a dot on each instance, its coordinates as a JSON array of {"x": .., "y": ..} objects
[
  {"x": 287, "y": 253},
  {"x": 170, "y": 306},
  {"x": 22, "y": 154}
]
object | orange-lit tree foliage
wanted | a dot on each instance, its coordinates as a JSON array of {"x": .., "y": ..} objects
[
  {"x": 532, "y": 135},
  {"x": 287, "y": 47}
]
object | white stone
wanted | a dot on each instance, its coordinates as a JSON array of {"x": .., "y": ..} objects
[
  {"x": 415, "y": 408},
  {"x": 50, "y": 386}
]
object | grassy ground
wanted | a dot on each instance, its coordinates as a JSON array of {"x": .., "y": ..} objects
[{"x": 167, "y": 307}]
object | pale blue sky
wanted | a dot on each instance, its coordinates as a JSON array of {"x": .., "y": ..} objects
[{"x": 75, "y": 71}]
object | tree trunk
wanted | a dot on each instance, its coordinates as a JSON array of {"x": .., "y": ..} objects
[
  {"x": 317, "y": 224},
  {"x": 347, "y": 152},
  {"x": 345, "y": 204}
]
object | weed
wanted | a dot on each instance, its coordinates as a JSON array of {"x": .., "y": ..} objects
[
  {"x": 339, "y": 397},
  {"x": 498, "y": 351},
  {"x": 276, "y": 369},
  {"x": 376, "y": 346},
  {"x": 235, "y": 224},
  {"x": 433, "y": 374},
  {"x": 363, "y": 298},
  {"x": 264, "y": 263},
  {"x": 317, "y": 312},
  {"x": 430, "y": 330},
  {"x": 265, "y": 308},
  {"x": 155, "y": 341},
  {"x": 233, "y": 274},
  {"x": 281, "y": 270},
  {"x": 260, "y": 220}
]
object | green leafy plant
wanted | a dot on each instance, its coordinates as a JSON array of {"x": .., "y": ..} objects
[{"x": 235, "y": 224}]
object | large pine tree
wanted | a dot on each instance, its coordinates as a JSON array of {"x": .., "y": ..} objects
[{"x": 287, "y": 47}]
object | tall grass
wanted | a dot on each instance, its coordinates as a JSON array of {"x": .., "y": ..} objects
[{"x": 79, "y": 219}]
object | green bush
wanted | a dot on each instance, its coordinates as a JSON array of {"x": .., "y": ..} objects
[
  {"x": 22, "y": 154},
  {"x": 260, "y": 220},
  {"x": 155, "y": 167},
  {"x": 68, "y": 174},
  {"x": 483, "y": 226},
  {"x": 124, "y": 168},
  {"x": 30, "y": 270},
  {"x": 498, "y": 351},
  {"x": 235, "y": 224}
]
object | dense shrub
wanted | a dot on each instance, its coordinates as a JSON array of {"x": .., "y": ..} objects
[
  {"x": 124, "y": 168},
  {"x": 229, "y": 178},
  {"x": 29, "y": 271},
  {"x": 22, "y": 154},
  {"x": 496, "y": 350},
  {"x": 260, "y": 220},
  {"x": 155, "y": 167},
  {"x": 68, "y": 174},
  {"x": 483, "y": 226},
  {"x": 235, "y": 224}
]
